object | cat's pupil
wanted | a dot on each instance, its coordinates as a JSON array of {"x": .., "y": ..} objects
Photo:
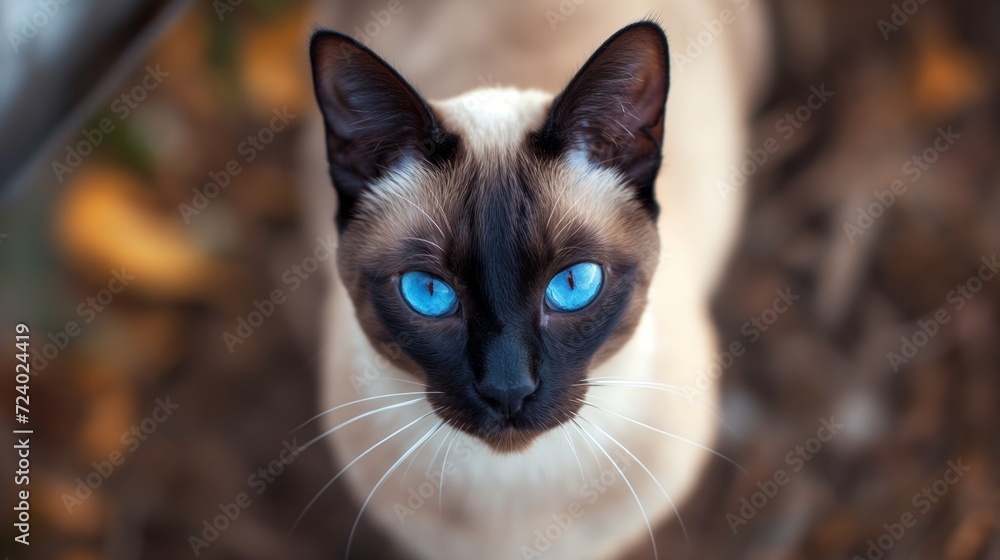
[
  {"x": 430, "y": 287},
  {"x": 569, "y": 278}
]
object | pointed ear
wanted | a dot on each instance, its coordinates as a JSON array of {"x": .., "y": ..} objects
[
  {"x": 613, "y": 109},
  {"x": 374, "y": 119}
]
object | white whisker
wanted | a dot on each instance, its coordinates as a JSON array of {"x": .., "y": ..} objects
[
  {"x": 560, "y": 230},
  {"x": 443, "y": 213},
  {"x": 353, "y": 420},
  {"x": 713, "y": 411},
  {"x": 591, "y": 447},
  {"x": 338, "y": 407},
  {"x": 556, "y": 203},
  {"x": 668, "y": 434},
  {"x": 430, "y": 465},
  {"x": 648, "y": 472},
  {"x": 642, "y": 510},
  {"x": 572, "y": 448},
  {"x": 428, "y": 241},
  {"x": 611, "y": 381},
  {"x": 444, "y": 465},
  {"x": 357, "y": 520},
  {"x": 406, "y": 381},
  {"x": 421, "y": 210},
  {"x": 347, "y": 466},
  {"x": 414, "y": 458}
]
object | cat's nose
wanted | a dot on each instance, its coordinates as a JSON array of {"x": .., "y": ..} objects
[
  {"x": 506, "y": 379},
  {"x": 507, "y": 395}
]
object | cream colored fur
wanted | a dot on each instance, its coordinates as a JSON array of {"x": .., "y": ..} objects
[{"x": 493, "y": 505}]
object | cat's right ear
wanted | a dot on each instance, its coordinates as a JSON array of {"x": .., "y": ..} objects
[
  {"x": 613, "y": 110},
  {"x": 374, "y": 119}
]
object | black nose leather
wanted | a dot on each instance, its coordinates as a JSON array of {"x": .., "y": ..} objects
[
  {"x": 506, "y": 376},
  {"x": 507, "y": 395}
]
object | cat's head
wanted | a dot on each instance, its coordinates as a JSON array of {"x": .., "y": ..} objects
[{"x": 504, "y": 240}]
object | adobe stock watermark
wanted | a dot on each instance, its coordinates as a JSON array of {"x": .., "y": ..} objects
[
  {"x": 786, "y": 127},
  {"x": 249, "y": 149},
  {"x": 292, "y": 279},
  {"x": 900, "y": 16},
  {"x": 225, "y": 7},
  {"x": 563, "y": 11},
  {"x": 929, "y": 327},
  {"x": 922, "y": 502},
  {"x": 753, "y": 329},
  {"x": 87, "y": 311},
  {"x": 27, "y": 28},
  {"x": 380, "y": 19},
  {"x": 130, "y": 440},
  {"x": 475, "y": 100},
  {"x": 258, "y": 482},
  {"x": 712, "y": 30},
  {"x": 796, "y": 460},
  {"x": 913, "y": 168},
  {"x": 122, "y": 107},
  {"x": 590, "y": 491}
]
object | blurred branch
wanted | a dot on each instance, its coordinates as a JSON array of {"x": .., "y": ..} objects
[{"x": 92, "y": 47}]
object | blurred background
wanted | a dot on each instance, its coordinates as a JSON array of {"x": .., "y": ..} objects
[{"x": 149, "y": 166}]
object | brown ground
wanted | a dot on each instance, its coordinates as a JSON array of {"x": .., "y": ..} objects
[{"x": 825, "y": 357}]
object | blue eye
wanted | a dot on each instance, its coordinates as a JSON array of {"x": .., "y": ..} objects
[
  {"x": 575, "y": 287},
  {"x": 426, "y": 294}
]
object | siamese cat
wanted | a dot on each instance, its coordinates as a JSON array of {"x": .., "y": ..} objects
[{"x": 518, "y": 355}]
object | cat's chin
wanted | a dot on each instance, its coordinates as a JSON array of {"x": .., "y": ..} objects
[{"x": 511, "y": 440}]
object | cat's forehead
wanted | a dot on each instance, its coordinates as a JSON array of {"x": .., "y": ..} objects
[
  {"x": 494, "y": 122},
  {"x": 558, "y": 199},
  {"x": 498, "y": 175}
]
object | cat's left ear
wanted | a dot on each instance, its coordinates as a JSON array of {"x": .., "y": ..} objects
[
  {"x": 374, "y": 119},
  {"x": 613, "y": 110}
]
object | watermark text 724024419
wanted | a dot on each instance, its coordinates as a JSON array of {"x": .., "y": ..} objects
[{"x": 22, "y": 434}]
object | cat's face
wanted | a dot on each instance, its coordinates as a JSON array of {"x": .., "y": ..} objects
[{"x": 506, "y": 245}]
